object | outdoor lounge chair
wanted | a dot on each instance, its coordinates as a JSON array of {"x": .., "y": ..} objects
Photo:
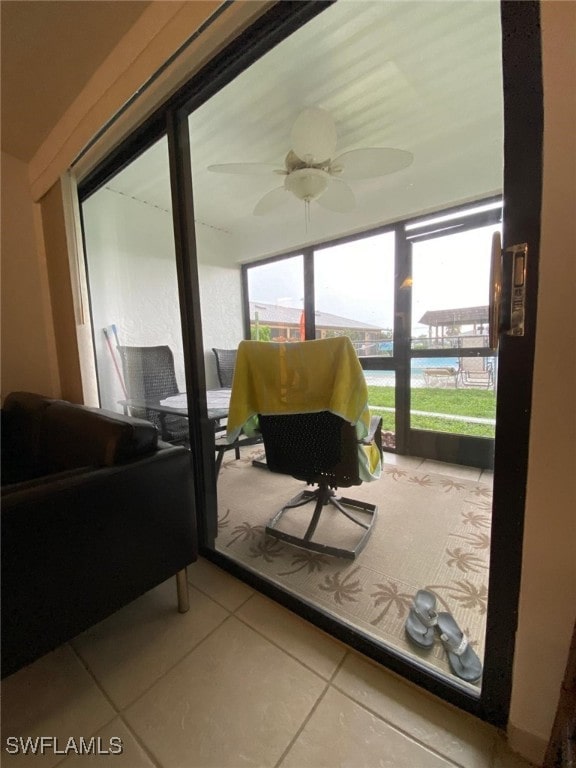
[
  {"x": 311, "y": 404},
  {"x": 440, "y": 377},
  {"x": 475, "y": 372}
]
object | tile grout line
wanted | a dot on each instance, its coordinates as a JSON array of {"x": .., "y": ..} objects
[
  {"x": 231, "y": 611},
  {"x": 144, "y": 747},
  {"x": 398, "y": 729},
  {"x": 90, "y": 674},
  {"x": 254, "y": 594},
  {"x": 288, "y": 653},
  {"x": 310, "y": 714},
  {"x": 304, "y": 723},
  {"x": 120, "y": 710},
  {"x": 123, "y": 709},
  {"x": 95, "y": 680}
]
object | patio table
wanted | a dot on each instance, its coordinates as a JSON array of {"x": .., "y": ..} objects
[{"x": 218, "y": 403}]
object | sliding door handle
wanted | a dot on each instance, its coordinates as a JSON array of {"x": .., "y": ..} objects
[
  {"x": 495, "y": 292},
  {"x": 518, "y": 257}
]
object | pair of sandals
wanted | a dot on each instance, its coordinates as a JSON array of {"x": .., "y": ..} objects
[{"x": 423, "y": 624}]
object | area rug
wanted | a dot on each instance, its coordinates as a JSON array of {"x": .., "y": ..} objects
[{"x": 432, "y": 532}]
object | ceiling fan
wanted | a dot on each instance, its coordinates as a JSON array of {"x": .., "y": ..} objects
[{"x": 313, "y": 173}]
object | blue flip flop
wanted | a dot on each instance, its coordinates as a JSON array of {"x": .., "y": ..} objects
[
  {"x": 463, "y": 660},
  {"x": 422, "y": 619}
]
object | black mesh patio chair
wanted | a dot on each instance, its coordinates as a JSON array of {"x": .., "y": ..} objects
[
  {"x": 321, "y": 449},
  {"x": 225, "y": 362},
  {"x": 149, "y": 377}
]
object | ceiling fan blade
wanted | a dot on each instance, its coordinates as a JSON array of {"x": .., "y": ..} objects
[
  {"x": 337, "y": 197},
  {"x": 270, "y": 201},
  {"x": 254, "y": 169},
  {"x": 313, "y": 135},
  {"x": 372, "y": 162}
]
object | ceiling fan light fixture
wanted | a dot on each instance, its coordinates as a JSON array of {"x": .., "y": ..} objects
[{"x": 307, "y": 183}]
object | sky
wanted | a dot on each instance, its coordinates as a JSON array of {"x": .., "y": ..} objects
[{"x": 448, "y": 272}]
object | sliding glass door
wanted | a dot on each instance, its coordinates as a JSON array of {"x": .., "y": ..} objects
[{"x": 392, "y": 302}]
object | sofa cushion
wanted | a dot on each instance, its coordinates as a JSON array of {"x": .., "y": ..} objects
[{"x": 76, "y": 436}]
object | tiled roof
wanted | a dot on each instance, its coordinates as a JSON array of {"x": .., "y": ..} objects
[{"x": 273, "y": 313}]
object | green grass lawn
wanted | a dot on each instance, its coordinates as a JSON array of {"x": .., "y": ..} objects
[{"x": 479, "y": 403}]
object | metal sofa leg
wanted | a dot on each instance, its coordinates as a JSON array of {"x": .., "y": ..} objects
[{"x": 182, "y": 590}]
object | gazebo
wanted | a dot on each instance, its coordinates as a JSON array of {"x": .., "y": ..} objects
[{"x": 443, "y": 319}]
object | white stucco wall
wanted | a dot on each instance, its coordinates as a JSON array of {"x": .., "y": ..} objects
[
  {"x": 133, "y": 284},
  {"x": 132, "y": 275}
]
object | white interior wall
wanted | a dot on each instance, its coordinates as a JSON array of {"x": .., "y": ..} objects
[
  {"x": 132, "y": 274},
  {"x": 133, "y": 284}
]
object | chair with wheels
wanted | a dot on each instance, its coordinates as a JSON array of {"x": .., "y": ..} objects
[{"x": 309, "y": 401}]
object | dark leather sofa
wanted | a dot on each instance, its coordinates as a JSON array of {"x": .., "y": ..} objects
[{"x": 95, "y": 512}]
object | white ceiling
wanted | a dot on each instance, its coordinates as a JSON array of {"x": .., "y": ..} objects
[{"x": 421, "y": 76}]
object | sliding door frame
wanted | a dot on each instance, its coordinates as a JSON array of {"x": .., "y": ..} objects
[{"x": 523, "y": 107}]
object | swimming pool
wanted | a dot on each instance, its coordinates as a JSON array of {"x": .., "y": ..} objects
[{"x": 387, "y": 378}]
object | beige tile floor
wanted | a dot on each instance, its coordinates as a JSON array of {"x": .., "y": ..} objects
[{"x": 236, "y": 682}]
